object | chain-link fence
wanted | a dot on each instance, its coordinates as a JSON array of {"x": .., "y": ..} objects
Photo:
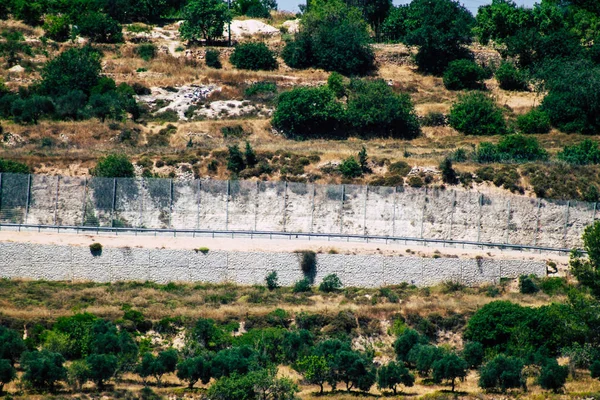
[{"x": 292, "y": 207}]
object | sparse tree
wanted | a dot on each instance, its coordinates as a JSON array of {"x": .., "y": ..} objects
[
  {"x": 204, "y": 19},
  {"x": 393, "y": 374},
  {"x": 450, "y": 367}
]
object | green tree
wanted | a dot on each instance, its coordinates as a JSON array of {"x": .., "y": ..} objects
[
  {"x": 587, "y": 270},
  {"x": 11, "y": 343},
  {"x": 57, "y": 27},
  {"x": 595, "y": 369},
  {"x": 330, "y": 283},
  {"x": 193, "y": 370},
  {"x": 394, "y": 27},
  {"x": 30, "y": 110},
  {"x": 441, "y": 29},
  {"x": 42, "y": 369},
  {"x": 235, "y": 159},
  {"x": 553, "y": 376},
  {"x": 500, "y": 20},
  {"x": 350, "y": 168},
  {"x": 502, "y": 373},
  {"x": 332, "y": 36},
  {"x": 473, "y": 354},
  {"x": 157, "y": 366},
  {"x": 73, "y": 69},
  {"x": 78, "y": 330},
  {"x": 102, "y": 367},
  {"x": 393, "y": 374},
  {"x": 423, "y": 356},
  {"x": 356, "y": 370},
  {"x": 463, "y": 74},
  {"x": 114, "y": 166},
  {"x": 584, "y": 153},
  {"x": 315, "y": 370},
  {"x": 99, "y": 28},
  {"x": 78, "y": 373},
  {"x": 204, "y": 19},
  {"x": 7, "y": 373},
  {"x": 450, "y": 368},
  {"x": 272, "y": 280},
  {"x": 235, "y": 360},
  {"x": 477, "y": 114},
  {"x": 373, "y": 109},
  {"x": 405, "y": 342},
  {"x": 208, "y": 335},
  {"x": 13, "y": 47},
  {"x": 254, "y": 56},
  {"x": 308, "y": 112},
  {"x": 448, "y": 172},
  {"x": 511, "y": 78},
  {"x": 335, "y": 83},
  {"x": 250, "y": 156},
  {"x": 535, "y": 121}
]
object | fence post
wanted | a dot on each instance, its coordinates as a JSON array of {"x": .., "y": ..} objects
[
  {"x": 479, "y": 221},
  {"x": 56, "y": 199},
  {"x": 284, "y": 204},
  {"x": 28, "y": 197},
  {"x": 394, "y": 211},
  {"x": 342, "y": 209},
  {"x": 114, "y": 201},
  {"x": 566, "y": 223},
  {"x": 85, "y": 188},
  {"x": 312, "y": 209},
  {"x": 507, "y": 220},
  {"x": 227, "y": 206},
  {"x": 365, "y": 211},
  {"x": 537, "y": 223}
]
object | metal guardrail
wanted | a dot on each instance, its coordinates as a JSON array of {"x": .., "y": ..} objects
[{"x": 276, "y": 234}]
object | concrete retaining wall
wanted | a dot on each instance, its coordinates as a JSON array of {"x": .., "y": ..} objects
[{"x": 55, "y": 262}]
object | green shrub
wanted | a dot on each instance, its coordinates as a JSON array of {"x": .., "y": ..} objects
[
  {"x": 308, "y": 264},
  {"x": 400, "y": 168},
  {"x": 463, "y": 74},
  {"x": 477, "y": 114},
  {"x": 253, "y": 56},
  {"x": 473, "y": 354},
  {"x": 146, "y": 51},
  {"x": 434, "y": 119},
  {"x": 595, "y": 369},
  {"x": 260, "y": 88},
  {"x": 303, "y": 285},
  {"x": 527, "y": 285},
  {"x": 114, "y": 166},
  {"x": 335, "y": 83},
  {"x": 584, "y": 153},
  {"x": 330, "y": 283},
  {"x": 510, "y": 78},
  {"x": 502, "y": 373},
  {"x": 13, "y": 167},
  {"x": 203, "y": 250},
  {"x": 554, "y": 286},
  {"x": 553, "y": 376},
  {"x": 99, "y": 28},
  {"x": 212, "y": 58},
  {"x": 535, "y": 121},
  {"x": 57, "y": 27},
  {"x": 43, "y": 369},
  {"x": 515, "y": 148},
  {"x": 272, "y": 280},
  {"x": 448, "y": 173},
  {"x": 96, "y": 248},
  {"x": 350, "y": 168},
  {"x": 308, "y": 112},
  {"x": 7, "y": 373}
]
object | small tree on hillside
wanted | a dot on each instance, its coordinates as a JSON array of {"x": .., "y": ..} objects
[
  {"x": 193, "y": 370},
  {"x": 393, "y": 374},
  {"x": 204, "y": 19},
  {"x": 254, "y": 56},
  {"x": 477, "y": 114},
  {"x": 235, "y": 159},
  {"x": 450, "y": 368},
  {"x": 553, "y": 376},
  {"x": 114, "y": 166},
  {"x": 42, "y": 369},
  {"x": 502, "y": 373},
  {"x": 587, "y": 270},
  {"x": 7, "y": 373},
  {"x": 315, "y": 370},
  {"x": 102, "y": 367}
]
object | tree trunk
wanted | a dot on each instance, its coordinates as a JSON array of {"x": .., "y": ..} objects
[
  {"x": 321, "y": 385},
  {"x": 453, "y": 379},
  {"x": 394, "y": 389}
]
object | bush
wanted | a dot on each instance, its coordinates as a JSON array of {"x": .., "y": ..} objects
[
  {"x": 502, "y": 373},
  {"x": 433, "y": 118},
  {"x": 332, "y": 36},
  {"x": 330, "y": 283},
  {"x": 13, "y": 167},
  {"x": 303, "y": 285},
  {"x": 308, "y": 112},
  {"x": 473, "y": 354},
  {"x": 463, "y": 74},
  {"x": 57, "y": 27},
  {"x": 393, "y": 374},
  {"x": 595, "y": 369},
  {"x": 43, "y": 369},
  {"x": 7, "y": 373},
  {"x": 527, "y": 285},
  {"x": 373, "y": 109},
  {"x": 114, "y": 166},
  {"x": 146, "y": 51},
  {"x": 335, "y": 83},
  {"x": 212, "y": 58},
  {"x": 535, "y": 121},
  {"x": 350, "y": 168},
  {"x": 99, "y": 28},
  {"x": 96, "y": 249},
  {"x": 253, "y": 56},
  {"x": 73, "y": 69},
  {"x": 272, "y": 280},
  {"x": 516, "y": 148},
  {"x": 510, "y": 78},
  {"x": 584, "y": 153},
  {"x": 204, "y": 19},
  {"x": 553, "y": 376},
  {"x": 450, "y": 368},
  {"x": 477, "y": 114},
  {"x": 448, "y": 173}
]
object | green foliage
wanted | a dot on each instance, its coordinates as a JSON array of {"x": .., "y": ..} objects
[
  {"x": 308, "y": 264},
  {"x": 553, "y": 376},
  {"x": 423, "y": 357},
  {"x": 393, "y": 374},
  {"x": 584, "y": 153},
  {"x": 7, "y": 373},
  {"x": 78, "y": 373},
  {"x": 96, "y": 248},
  {"x": 102, "y": 367},
  {"x": 235, "y": 159},
  {"x": 450, "y": 368},
  {"x": 516, "y": 148},
  {"x": 394, "y": 26},
  {"x": 502, "y": 373},
  {"x": 249, "y": 156},
  {"x": 235, "y": 360},
  {"x": 308, "y": 112},
  {"x": 441, "y": 29},
  {"x": 30, "y": 110},
  {"x": 73, "y": 69},
  {"x": 77, "y": 329},
  {"x": 43, "y": 369},
  {"x": 208, "y": 335},
  {"x": 527, "y": 285},
  {"x": 194, "y": 369},
  {"x": 477, "y": 114},
  {"x": 260, "y": 88},
  {"x": 511, "y": 78},
  {"x": 595, "y": 369},
  {"x": 57, "y": 27},
  {"x": 373, "y": 109},
  {"x": 254, "y": 8},
  {"x": 13, "y": 167},
  {"x": 254, "y": 56},
  {"x": 332, "y": 36},
  {"x": 535, "y": 121},
  {"x": 272, "y": 280},
  {"x": 587, "y": 271},
  {"x": 114, "y": 166},
  {"x": 500, "y": 20},
  {"x": 256, "y": 385},
  {"x": 157, "y": 366},
  {"x": 335, "y": 83},
  {"x": 315, "y": 370},
  {"x": 99, "y": 28},
  {"x": 13, "y": 47},
  {"x": 463, "y": 74},
  {"x": 212, "y": 58},
  {"x": 330, "y": 283},
  {"x": 302, "y": 286},
  {"x": 11, "y": 345},
  {"x": 350, "y": 168},
  {"x": 146, "y": 51},
  {"x": 204, "y": 19},
  {"x": 448, "y": 172},
  {"x": 405, "y": 343},
  {"x": 473, "y": 353}
]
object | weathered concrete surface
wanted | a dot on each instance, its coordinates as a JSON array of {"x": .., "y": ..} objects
[{"x": 66, "y": 262}]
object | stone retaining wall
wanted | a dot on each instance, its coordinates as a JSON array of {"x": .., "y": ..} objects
[{"x": 55, "y": 262}]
